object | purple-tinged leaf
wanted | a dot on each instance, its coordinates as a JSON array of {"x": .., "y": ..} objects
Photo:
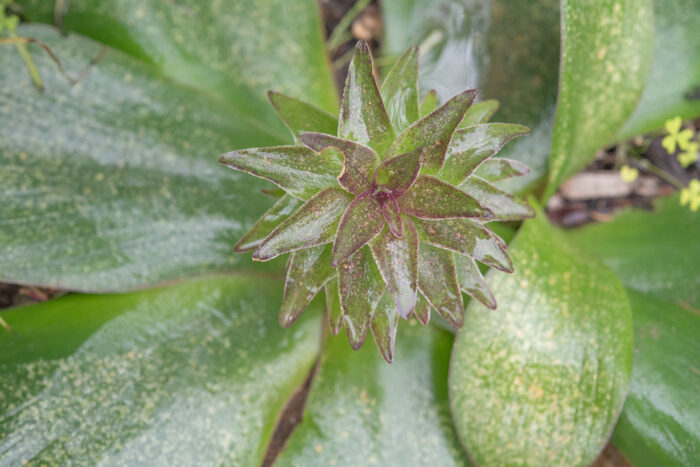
[
  {"x": 383, "y": 324},
  {"x": 361, "y": 222},
  {"x": 472, "y": 145},
  {"x": 399, "y": 172},
  {"x": 308, "y": 271},
  {"x": 359, "y": 161},
  {"x": 437, "y": 280},
  {"x": 499, "y": 168},
  {"x": 504, "y": 206},
  {"x": 479, "y": 112},
  {"x": 361, "y": 287},
  {"x": 390, "y": 211},
  {"x": 422, "y": 309},
  {"x": 280, "y": 211},
  {"x": 363, "y": 117},
  {"x": 466, "y": 237},
  {"x": 397, "y": 259},
  {"x": 333, "y": 309},
  {"x": 301, "y": 117},
  {"x": 433, "y": 132},
  {"x": 315, "y": 223},
  {"x": 432, "y": 198},
  {"x": 472, "y": 282},
  {"x": 429, "y": 103},
  {"x": 298, "y": 170},
  {"x": 400, "y": 90}
]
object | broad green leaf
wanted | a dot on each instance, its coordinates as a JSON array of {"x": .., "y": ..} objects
[
  {"x": 479, "y": 113},
  {"x": 660, "y": 422},
  {"x": 472, "y": 282},
  {"x": 466, "y": 237},
  {"x": 361, "y": 287},
  {"x": 281, "y": 210},
  {"x": 383, "y": 324},
  {"x": 333, "y": 308},
  {"x": 431, "y": 198},
  {"x": 397, "y": 259},
  {"x": 362, "y": 411},
  {"x": 437, "y": 281},
  {"x": 503, "y": 205},
  {"x": 359, "y": 161},
  {"x": 400, "y": 90},
  {"x": 390, "y": 211},
  {"x": 541, "y": 380},
  {"x": 433, "y": 132},
  {"x": 655, "y": 253},
  {"x": 298, "y": 170},
  {"x": 607, "y": 49},
  {"x": 301, "y": 117},
  {"x": 315, "y": 223},
  {"x": 195, "y": 373},
  {"x": 472, "y": 145},
  {"x": 363, "y": 117},
  {"x": 361, "y": 222},
  {"x": 429, "y": 103},
  {"x": 308, "y": 271},
  {"x": 399, "y": 172},
  {"x": 498, "y": 168}
]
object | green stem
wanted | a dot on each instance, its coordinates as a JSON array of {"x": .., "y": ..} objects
[
  {"x": 649, "y": 167},
  {"x": 31, "y": 67},
  {"x": 336, "y": 37}
]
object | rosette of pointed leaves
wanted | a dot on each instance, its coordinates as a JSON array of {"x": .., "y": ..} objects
[{"x": 385, "y": 207}]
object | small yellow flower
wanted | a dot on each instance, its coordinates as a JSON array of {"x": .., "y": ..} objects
[
  {"x": 628, "y": 174},
  {"x": 690, "y": 155},
  {"x": 676, "y": 136},
  {"x": 691, "y": 195}
]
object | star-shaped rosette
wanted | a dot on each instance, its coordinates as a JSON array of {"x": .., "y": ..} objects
[{"x": 386, "y": 207}]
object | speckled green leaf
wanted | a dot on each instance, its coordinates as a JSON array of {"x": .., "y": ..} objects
[
  {"x": 363, "y": 117},
  {"x": 361, "y": 287},
  {"x": 429, "y": 103},
  {"x": 422, "y": 309},
  {"x": 400, "y": 90},
  {"x": 433, "y": 132},
  {"x": 334, "y": 311},
  {"x": 361, "y": 222},
  {"x": 437, "y": 280},
  {"x": 472, "y": 282},
  {"x": 541, "y": 380},
  {"x": 359, "y": 161},
  {"x": 307, "y": 272},
  {"x": 397, "y": 259},
  {"x": 498, "y": 168},
  {"x": 472, "y": 145},
  {"x": 431, "y": 198},
  {"x": 390, "y": 211},
  {"x": 399, "y": 172},
  {"x": 479, "y": 112},
  {"x": 503, "y": 205},
  {"x": 384, "y": 322},
  {"x": 466, "y": 237},
  {"x": 362, "y": 411},
  {"x": 281, "y": 210},
  {"x": 315, "y": 223},
  {"x": 195, "y": 373},
  {"x": 660, "y": 422},
  {"x": 301, "y": 117},
  {"x": 298, "y": 170},
  {"x": 607, "y": 49}
]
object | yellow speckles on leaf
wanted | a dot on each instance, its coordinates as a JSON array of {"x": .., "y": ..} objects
[{"x": 601, "y": 53}]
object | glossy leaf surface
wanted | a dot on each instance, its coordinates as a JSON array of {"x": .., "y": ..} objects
[
  {"x": 361, "y": 222},
  {"x": 399, "y": 172},
  {"x": 503, "y": 205},
  {"x": 301, "y": 117},
  {"x": 334, "y": 311},
  {"x": 479, "y": 112},
  {"x": 307, "y": 272},
  {"x": 400, "y": 90},
  {"x": 541, "y": 380},
  {"x": 498, "y": 168},
  {"x": 384, "y": 322},
  {"x": 281, "y": 210},
  {"x": 431, "y": 198},
  {"x": 472, "y": 282},
  {"x": 422, "y": 309},
  {"x": 195, "y": 373},
  {"x": 607, "y": 50},
  {"x": 437, "y": 280}
]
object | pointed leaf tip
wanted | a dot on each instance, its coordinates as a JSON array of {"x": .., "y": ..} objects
[
  {"x": 361, "y": 222},
  {"x": 307, "y": 272},
  {"x": 398, "y": 173},
  {"x": 431, "y": 198},
  {"x": 301, "y": 117}
]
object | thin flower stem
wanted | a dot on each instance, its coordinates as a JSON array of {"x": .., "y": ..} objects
[
  {"x": 649, "y": 167},
  {"x": 31, "y": 67}
]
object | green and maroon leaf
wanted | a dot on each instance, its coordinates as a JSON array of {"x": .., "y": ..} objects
[
  {"x": 359, "y": 161},
  {"x": 422, "y": 309},
  {"x": 399, "y": 172},
  {"x": 472, "y": 145},
  {"x": 437, "y": 280},
  {"x": 466, "y": 237},
  {"x": 390, "y": 211},
  {"x": 361, "y": 287},
  {"x": 472, "y": 282},
  {"x": 433, "y": 132},
  {"x": 300, "y": 171},
  {"x": 301, "y": 117},
  {"x": 479, "y": 112},
  {"x": 383, "y": 324},
  {"x": 400, "y": 90},
  {"x": 333, "y": 308},
  {"x": 397, "y": 259},
  {"x": 308, "y": 271},
  {"x": 498, "y": 168},
  {"x": 363, "y": 117},
  {"x": 362, "y": 221},
  {"x": 432, "y": 198},
  {"x": 281, "y": 210},
  {"x": 504, "y": 206},
  {"x": 429, "y": 103},
  {"x": 315, "y": 223}
]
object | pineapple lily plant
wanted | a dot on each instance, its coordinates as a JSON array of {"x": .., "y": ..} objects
[{"x": 385, "y": 209}]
